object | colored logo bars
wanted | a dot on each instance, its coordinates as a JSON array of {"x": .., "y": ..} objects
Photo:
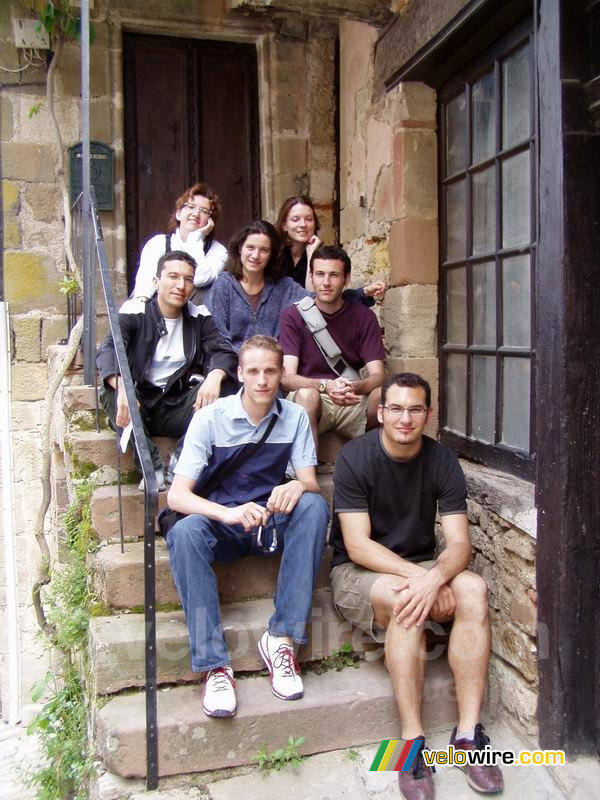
[{"x": 395, "y": 755}]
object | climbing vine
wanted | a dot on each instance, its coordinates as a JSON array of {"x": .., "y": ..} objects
[{"x": 61, "y": 724}]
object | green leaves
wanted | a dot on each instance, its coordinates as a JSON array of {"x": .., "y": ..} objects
[
  {"x": 288, "y": 756},
  {"x": 35, "y": 109},
  {"x": 61, "y": 725},
  {"x": 68, "y": 285},
  {"x": 57, "y": 19},
  {"x": 338, "y": 659}
]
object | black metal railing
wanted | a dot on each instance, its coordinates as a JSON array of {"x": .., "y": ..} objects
[{"x": 98, "y": 260}]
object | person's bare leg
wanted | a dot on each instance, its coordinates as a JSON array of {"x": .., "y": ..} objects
[
  {"x": 469, "y": 646},
  {"x": 404, "y": 656},
  {"x": 372, "y": 403},
  {"x": 310, "y": 400}
]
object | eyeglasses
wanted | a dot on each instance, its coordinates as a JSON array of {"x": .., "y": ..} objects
[
  {"x": 413, "y": 411},
  {"x": 270, "y": 548},
  {"x": 192, "y": 208},
  {"x": 175, "y": 276}
]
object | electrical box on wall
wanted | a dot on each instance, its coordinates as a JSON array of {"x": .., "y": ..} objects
[{"x": 27, "y": 36}]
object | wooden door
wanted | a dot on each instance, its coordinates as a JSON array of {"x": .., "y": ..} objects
[{"x": 191, "y": 114}]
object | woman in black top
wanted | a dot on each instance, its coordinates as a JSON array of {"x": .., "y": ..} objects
[{"x": 298, "y": 226}]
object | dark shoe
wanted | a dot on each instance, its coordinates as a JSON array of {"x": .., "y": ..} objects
[
  {"x": 417, "y": 782},
  {"x": 484, "y": 779}
]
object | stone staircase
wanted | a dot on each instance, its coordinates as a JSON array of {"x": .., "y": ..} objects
[{"x": 340, "y": 709}]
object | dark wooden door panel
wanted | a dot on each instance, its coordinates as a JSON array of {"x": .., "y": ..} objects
[
  {"x": 191, "y": 113},
  {"x": 228, "y": 124}
]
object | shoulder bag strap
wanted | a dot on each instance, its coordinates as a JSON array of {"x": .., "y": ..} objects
[
  {"x": 236, "y": 462},
  {"x": 317, "y": 327}
]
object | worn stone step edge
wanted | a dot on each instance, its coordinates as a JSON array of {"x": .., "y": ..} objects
[
  {"x": 78, "y": 398},
  {"x": 116, "y": 643},
  {"x": 339, "y": 709},
  {"x": 105, "y": 509},
  {"x": 118, "y": 578},
  {"x": 100, "y": 449}
]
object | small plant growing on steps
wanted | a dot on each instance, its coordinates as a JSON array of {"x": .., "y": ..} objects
[
  {"x": 339, "y": 658},
  {"x": 288, "y": 756}
]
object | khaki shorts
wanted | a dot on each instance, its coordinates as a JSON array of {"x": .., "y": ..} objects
[
  {"x": 348, "y": 421},
  {"x": 352, "y": 586}
]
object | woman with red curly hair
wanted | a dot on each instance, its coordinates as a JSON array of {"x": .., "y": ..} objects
[{"x": 190, "y": 228}]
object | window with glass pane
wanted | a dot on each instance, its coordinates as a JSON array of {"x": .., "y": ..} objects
[{"x": 486, "y": 151}]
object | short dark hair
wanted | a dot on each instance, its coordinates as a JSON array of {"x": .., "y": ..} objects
[
  {"x": 331, "y": 252},
  {"x": 409, "y": 379},
  {"x": 274, "y": 268},
  {"x": 262, "y": 342},
  {"x": 288, "y": 204},
  {"x": 174, "y": 255}
]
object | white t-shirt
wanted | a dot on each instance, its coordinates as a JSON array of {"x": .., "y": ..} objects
[{"x": 168, "y": 356}]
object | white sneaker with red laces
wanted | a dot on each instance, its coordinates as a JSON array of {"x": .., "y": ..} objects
[
  {"x": 219, "y": 693},
  {"x": 286, "y": 681}
]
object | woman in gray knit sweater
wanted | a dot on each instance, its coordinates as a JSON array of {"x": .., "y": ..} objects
[{"x": 249, "y": 296}]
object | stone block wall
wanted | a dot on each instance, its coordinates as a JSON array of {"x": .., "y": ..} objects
[
  {"x": 299, "y": 150},
  {"x": 389, "y": 224},
  {"x": 296, "y": 60},
  {"x": 503, "y": 526},
  {"x": 388, "y": 220}
]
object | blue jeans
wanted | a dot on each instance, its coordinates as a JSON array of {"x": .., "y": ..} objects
[{"x": 196, "y": 543}]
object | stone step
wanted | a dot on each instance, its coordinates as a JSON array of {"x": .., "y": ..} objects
[
  {"x": 105, "y": 512},
  {"x": 330, "y": 444},
  {"x": 99, "y": 449},
  {"x": 340, "y": 709},
  {"x": 105, "y": 509},
  {"x": 116, "y": 643},
  {"x": 78, "y": 398},
  {"x": 118, "y": 578}
]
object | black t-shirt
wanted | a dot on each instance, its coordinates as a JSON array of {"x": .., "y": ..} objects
[{"x": 401, "y": 497}]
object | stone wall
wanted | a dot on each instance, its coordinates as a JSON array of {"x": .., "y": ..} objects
[
  {"x": 298, "y": 153},
  {"x": 503, "y": 527},
  {"x": 389, "y": 209},
  {"x": 388, "y": 219}
]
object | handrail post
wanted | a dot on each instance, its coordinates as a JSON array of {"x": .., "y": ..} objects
[
  {"x": 89, "y": 274},
  {"x": 150, "y": 505}
]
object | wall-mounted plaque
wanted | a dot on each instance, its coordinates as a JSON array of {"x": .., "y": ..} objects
[{"x": 101, "y": 173}]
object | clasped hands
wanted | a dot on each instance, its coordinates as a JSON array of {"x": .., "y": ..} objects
[
  {"x": 423, "y": 597},
  {"x": 342, "y": 392},
  {"x": 283, "y": 500}
]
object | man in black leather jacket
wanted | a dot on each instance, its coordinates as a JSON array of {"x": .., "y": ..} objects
[{"x": 179, "y": 361}]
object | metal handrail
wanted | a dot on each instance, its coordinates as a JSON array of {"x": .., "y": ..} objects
[{"x": 150, "y": 484}]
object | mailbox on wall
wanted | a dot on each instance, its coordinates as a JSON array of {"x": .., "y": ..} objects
[{"x": 101, "y": 173}]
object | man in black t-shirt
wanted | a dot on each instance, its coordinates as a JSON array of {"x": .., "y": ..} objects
[{"x": 389, "y": 484}]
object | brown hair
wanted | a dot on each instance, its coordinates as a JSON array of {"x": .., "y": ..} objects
[
  {"x": 260, "y": 342},
  {"x": 274, "y": 269},
  {"x": 331, "y": 252},
  {"x": 198, "y": 188},
  {"x": 286, "y": 208}
]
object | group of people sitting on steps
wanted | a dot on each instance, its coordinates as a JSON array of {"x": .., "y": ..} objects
[{"x": 249, "y": 354}]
